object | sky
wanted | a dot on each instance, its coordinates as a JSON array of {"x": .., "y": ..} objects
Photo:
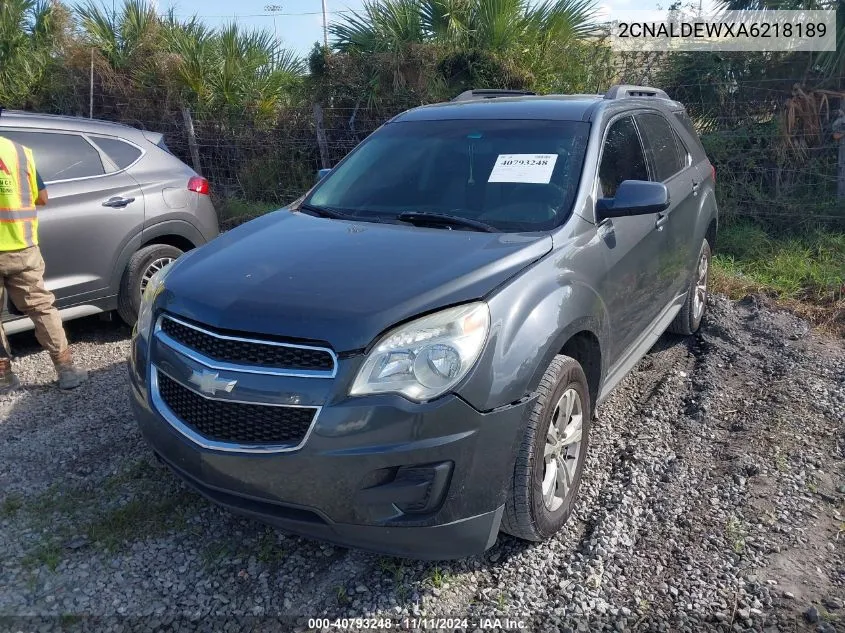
[{"x": 299, "y": 23}]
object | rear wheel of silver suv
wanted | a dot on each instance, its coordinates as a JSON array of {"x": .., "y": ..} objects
[
  {"x": 688, "y": 320},
  {"x": 550, "y": 460},
  {"x": 140, "y": 269}
]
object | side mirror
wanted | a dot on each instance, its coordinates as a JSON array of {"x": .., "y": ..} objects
[
  {"x": 634, "y": 197},
  {"x": 321, "y": 173}
]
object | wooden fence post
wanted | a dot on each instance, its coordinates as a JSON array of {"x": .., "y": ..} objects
[
  {"x": 321, "y": 136},
  {"x": 839, "y": 134},
  {"x": 192, "y": 140}
]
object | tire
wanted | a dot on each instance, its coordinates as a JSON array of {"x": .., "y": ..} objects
[
  {"x": 528, "y": 514},
  {"x": 688, "y": 320},
  {"x": 141, "y": 265}
]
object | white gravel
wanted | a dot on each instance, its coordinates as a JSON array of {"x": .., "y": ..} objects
[{"x": 712, "y": 500}]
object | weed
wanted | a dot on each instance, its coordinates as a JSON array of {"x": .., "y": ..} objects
[
  {"x": 393, "y": 567},
  {"x": 735, "y": 533},
  {"x": 781, "y": 462},
  {"x": 268, "y": 551},
  {"x": 11, "y": 504},
  {"x": 342, "y": 597},
  {"x": 214, "y": 553},
  {"x": 438, "y": 577},
  {"x": 47, "y": 553},
  {"x": 501, "y": 601}
]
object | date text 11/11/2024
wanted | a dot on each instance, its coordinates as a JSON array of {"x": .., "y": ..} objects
[{"x": 420, "y": 623}]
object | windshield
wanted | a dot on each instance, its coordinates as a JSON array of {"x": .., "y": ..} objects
[{"x": 513, "y": 175}]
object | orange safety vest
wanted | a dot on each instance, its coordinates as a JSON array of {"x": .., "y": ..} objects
[{"x": 18, "y": 193}]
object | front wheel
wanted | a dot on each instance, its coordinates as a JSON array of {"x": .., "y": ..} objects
[
  {"x": 688, "y": 320},
  {"x": 550, "y": 460},
  {"x": 140, "y": 269}
]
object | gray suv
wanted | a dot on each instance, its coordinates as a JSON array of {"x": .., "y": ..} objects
[
  {"x": 121, "y": 207},
  {"x": 408, "y": 358}
]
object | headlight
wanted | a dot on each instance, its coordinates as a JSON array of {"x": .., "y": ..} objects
[
  {"x": 425, "y": 358},
  {"x": 154, "y": 287}
]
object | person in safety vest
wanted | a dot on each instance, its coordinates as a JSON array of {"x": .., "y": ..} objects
[{"x": 22, "y": 267}]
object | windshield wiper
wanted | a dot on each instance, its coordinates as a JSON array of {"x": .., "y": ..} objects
[
  {"x": 422, "y": 218},
  {"x": 323, "y": 212}
]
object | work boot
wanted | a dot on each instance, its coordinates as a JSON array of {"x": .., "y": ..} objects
[
  {"x": 8, "y": 381},
  {"x": 70, "y": 376}
]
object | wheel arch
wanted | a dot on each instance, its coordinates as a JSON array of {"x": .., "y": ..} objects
[
  {"x": 584, "y": 346},
  {"x": 178, "y": 233}
]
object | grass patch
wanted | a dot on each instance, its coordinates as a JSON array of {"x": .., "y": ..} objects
[
  {"x": 804, "y": 272},
  {"x": 235, "y": 211},
  {"x": 47, "y": 553},
  {"x": 132, "y": 504},
  {"x": 140, "y": 516}
]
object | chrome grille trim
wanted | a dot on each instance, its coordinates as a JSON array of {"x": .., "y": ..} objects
[
  {"x": 181, "y": 427},
  {"x": 162, "y": 336}
]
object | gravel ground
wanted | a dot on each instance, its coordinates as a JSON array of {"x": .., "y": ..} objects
[{"x": 712, "y": 500}]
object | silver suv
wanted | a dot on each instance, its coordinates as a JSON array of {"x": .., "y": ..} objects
[{"x": 121, "y": 207}]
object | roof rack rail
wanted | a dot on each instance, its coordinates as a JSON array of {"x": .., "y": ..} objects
[
  {"x": 623, "y": 91},
  {"x": 487, "y": 93}
]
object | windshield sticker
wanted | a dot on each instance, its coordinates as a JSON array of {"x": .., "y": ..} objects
[{"x": 531, "y": 168}]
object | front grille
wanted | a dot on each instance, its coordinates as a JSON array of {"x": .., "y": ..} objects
[
  {"x": 248, "y": 352},
  {"x": 234, "y": 422}
]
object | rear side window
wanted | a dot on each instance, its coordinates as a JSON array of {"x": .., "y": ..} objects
[
  {"x": 60, "y": 156},
  {"x": 622, "y": 157},
  {"x": 683, "y": 117},
  {"x": 661, "y": 146},
  {"x": 122, "y": 154}
]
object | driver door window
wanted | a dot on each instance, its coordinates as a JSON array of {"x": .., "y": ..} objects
[{"x": 622, "y": 157}]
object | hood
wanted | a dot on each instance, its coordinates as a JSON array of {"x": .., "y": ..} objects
[{"x": 335, "y": 281}]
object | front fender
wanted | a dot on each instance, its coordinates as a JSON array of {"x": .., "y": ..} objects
[{"x": 531, "y": 320}]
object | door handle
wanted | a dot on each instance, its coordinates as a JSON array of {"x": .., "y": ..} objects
[
  {"x": 661, "y": 220},
  {"x": 118, "y": 202}
]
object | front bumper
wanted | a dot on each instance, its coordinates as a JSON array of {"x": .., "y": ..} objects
[{"x": 344, "y": 485}]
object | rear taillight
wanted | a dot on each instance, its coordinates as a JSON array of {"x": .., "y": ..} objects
[
  {"x": 199, "y": 185},
  {"x": 713, "y": 172}
]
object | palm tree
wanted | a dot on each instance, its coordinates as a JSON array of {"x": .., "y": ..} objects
[
  {"x": 482, "y": 41},
  {"x": 830, "y": 65},
  {"x": 125, "y": 39},
  {"x": 31, "y": 34},
  {"x": 210, "y": 69},
  {"x": 490, "y": 25},
  {"x": 233, "y": 69}
]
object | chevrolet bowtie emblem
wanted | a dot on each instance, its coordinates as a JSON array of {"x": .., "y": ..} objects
[{"x": 210, "y": 383}]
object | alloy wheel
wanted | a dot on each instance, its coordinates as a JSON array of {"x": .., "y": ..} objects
[
  {"x": 562, "y": 449},
  {"x": 700, "y": 298},
  {"x": 152, "y": 269}
]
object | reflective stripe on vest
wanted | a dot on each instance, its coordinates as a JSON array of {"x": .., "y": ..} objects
[{"x": 18, "y": 189}]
